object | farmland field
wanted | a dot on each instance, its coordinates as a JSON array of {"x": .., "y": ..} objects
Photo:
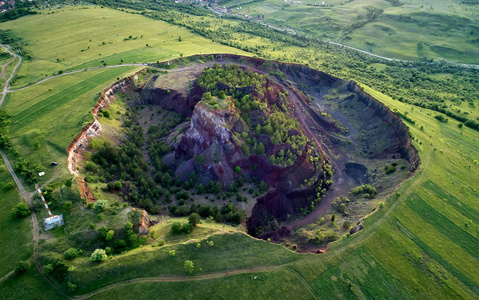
[{"x": 421, "y": 243}]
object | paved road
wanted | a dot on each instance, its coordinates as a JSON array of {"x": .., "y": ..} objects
[{"x": 7, "y": 83}]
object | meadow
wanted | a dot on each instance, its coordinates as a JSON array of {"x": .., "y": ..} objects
[
  {"x": 92, "y": 37},
  {"x": 410, "y": 30},
  {"x": 420, "y": 244}
]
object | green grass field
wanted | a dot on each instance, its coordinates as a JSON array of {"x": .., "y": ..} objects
[
  {"x": 47, "y": 116},
  {"x": 91, "y": 36},
  {"x": 444, "y": 28},
  {"x": 15, "y": 236},
  {"x": 422, "y": 244}
]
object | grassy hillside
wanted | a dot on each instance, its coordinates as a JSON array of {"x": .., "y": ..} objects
[
  {"x": 421, "y": 244},
  {"x": 409, "y": 30},
  {"x": 47, "y": 116},
  {"x": 93, "y": 36}
]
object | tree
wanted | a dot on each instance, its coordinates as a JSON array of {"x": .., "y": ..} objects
[
  {"x": 179, "y": 39},
  {"x": 68, "y": 183},
  {"x": 194, "y": 219},
  {"x": 98, "y": 255},
  {"x": 259, "y": 149},
  {"x": 237, "y": 169},
  {"x": 189, "y": 267},
  {"x": 21, "y": 210}
]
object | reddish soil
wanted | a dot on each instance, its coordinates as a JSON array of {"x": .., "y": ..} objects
[{"x": 81, "y": 141}]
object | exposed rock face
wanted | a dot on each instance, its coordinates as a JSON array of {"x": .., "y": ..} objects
[
  {"x": 144, "y": 223},
  {"x": 208, "y": 127},
  {"x": 81, "y": 141}
]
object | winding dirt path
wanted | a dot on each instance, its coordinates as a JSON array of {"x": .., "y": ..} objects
[
  {"x": 7, "y": 83},
  {"x": 216, "y": 275}
]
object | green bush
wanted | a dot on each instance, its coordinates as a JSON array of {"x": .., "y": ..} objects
[
  {"x": 22, "y": 266},
  {"x": 98, "y": 255},
  {"x": 21, "y": 210},
  {"x": 71, "y": 253},
  {"x": 177, "y": 227},
  {"x": 194, "y": 219},
  {"x": 189, "y": 267},
  {"x": 106, "y": 114}
]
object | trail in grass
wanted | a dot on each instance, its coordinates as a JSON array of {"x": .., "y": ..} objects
[
  {"x": 103, "y": 67},
  {"x": 7, "y": 276},
  {"x": 7, "y": 83},
  {"x": 183, "y": 279}
]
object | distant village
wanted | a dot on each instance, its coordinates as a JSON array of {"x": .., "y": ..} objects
[{"x": 7, "y": 5}]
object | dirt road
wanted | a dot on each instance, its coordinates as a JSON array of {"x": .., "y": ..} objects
[{"x": 7, "y": 83}]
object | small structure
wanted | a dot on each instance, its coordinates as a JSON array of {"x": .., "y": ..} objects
[
  {"x": 41, "y": 174},
  {"x": 52, "y": 221},
  {"x": 54, "y": 163}
]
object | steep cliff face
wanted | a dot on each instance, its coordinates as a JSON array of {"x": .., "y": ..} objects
[
  {"x": 402, "y": 143},
  {"x": 81, "y": 141}
]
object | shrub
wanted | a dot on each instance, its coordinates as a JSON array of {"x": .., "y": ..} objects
[
  {"x": 441, "y": 118},
  {"x": 106, "y": 114},
  {"x": 71, "y": 253},
  {"x": 48, "y": 268},
  {"x": 109, "y": 235},
  {"x": 21, "y": 210},
  {"x": 194, "y": 219},
  {"x": 6, "y": 186},
  {"x": 189, "y": 267},
  {"x": 67, "y": 205},
  {"x": 98, "y": 255},
  {"x": 390, "y": 169},
  {"x": 177, "y": 228},
  {"x": 100, "y": 205},
  {"x": 172, "y": 253},
  {"x": 22, "y": 266},
  {"x": 72, "y": 287}
]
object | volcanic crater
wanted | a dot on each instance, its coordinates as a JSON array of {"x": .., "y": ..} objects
[{"x": 309, "y": 136}]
